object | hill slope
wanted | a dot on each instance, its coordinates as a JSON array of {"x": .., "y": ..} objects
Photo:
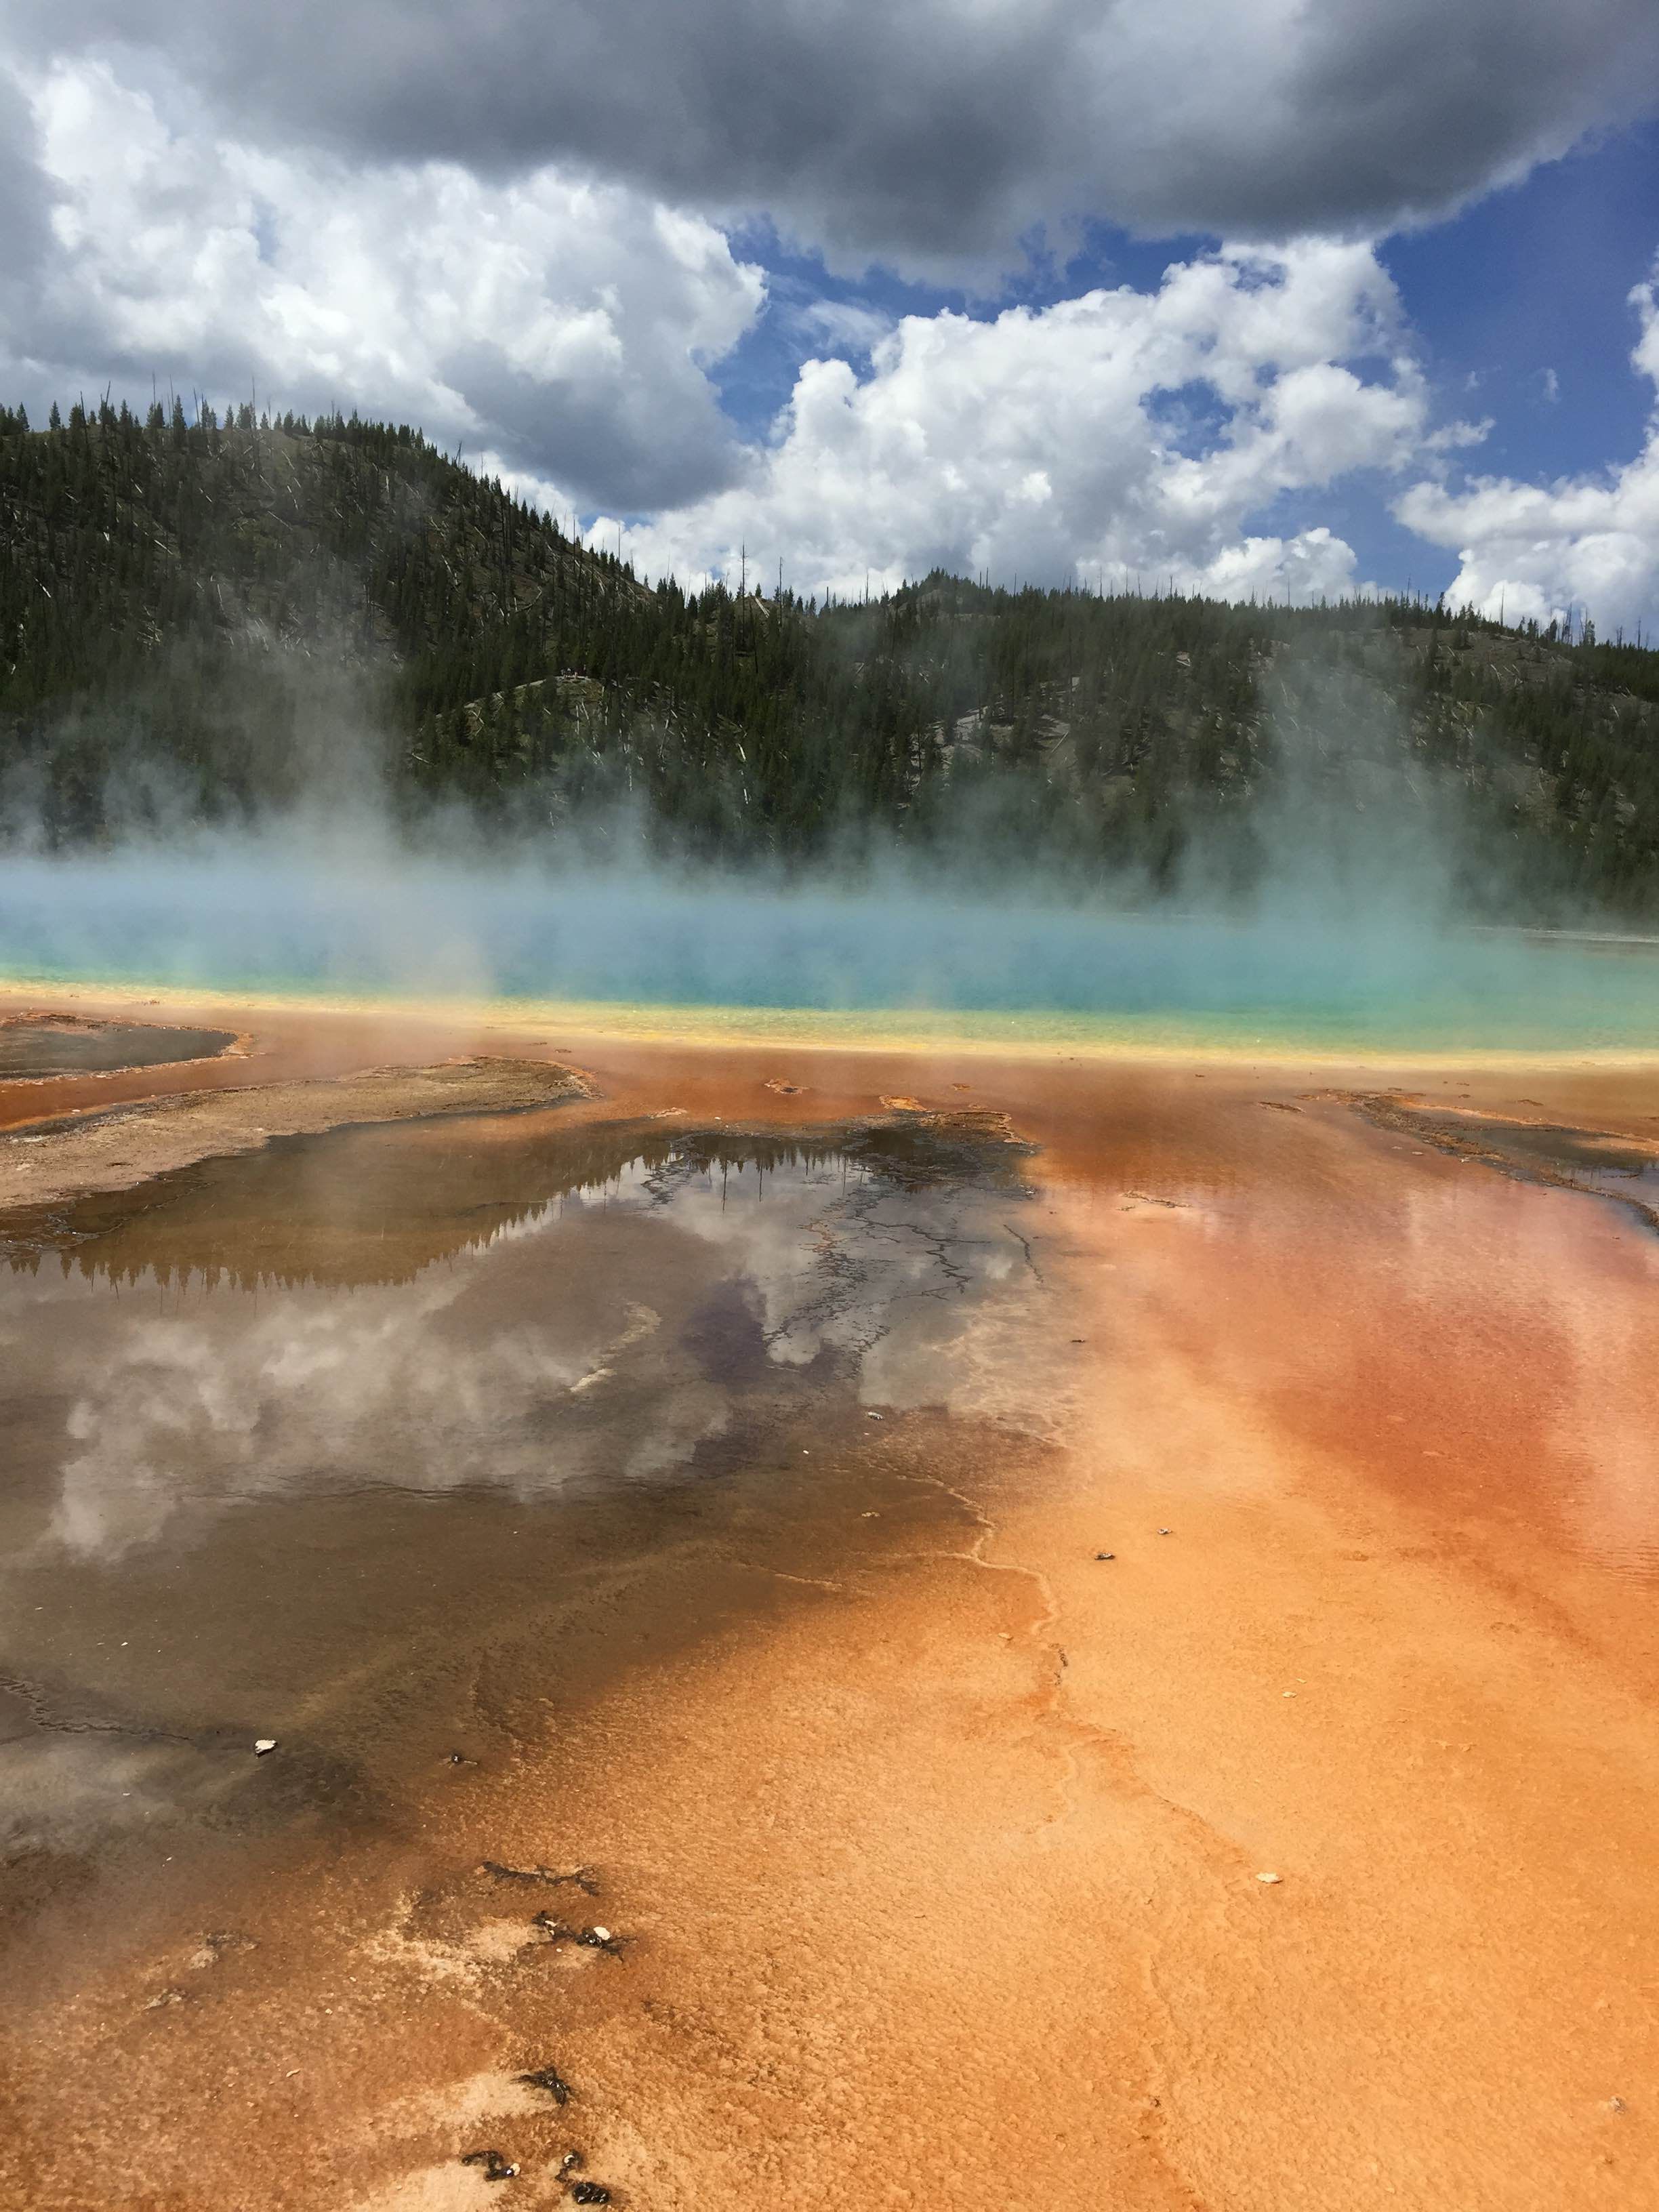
[{"x": 212, "y": 621}]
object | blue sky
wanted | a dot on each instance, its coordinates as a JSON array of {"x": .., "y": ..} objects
[{"x": 1536, "y": 279}]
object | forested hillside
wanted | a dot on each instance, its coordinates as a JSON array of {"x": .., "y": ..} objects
[{"x": 209, "y": 620}]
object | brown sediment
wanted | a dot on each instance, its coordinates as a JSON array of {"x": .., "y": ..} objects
[
  {"x": 272, "y": 1045},
  {"x": 932, "y": 1840},
  {"x": 54, "y": 1160}
]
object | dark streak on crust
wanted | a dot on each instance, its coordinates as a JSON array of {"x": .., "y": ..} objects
[{"x": 1480, "y": 1138}]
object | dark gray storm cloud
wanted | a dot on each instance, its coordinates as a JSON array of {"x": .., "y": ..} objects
[
  {"x": 629, "y": 447},
  {"x": 926, "y": 132},
  {"x": 24, "y": 201}
]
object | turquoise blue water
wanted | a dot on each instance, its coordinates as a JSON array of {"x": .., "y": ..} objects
[{"x": 989, "y": 966}]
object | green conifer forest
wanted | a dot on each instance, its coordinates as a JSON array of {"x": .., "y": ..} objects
[{"x": 205, "y": 619}]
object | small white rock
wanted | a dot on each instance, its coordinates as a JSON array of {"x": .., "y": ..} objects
[
  {"x": 1270, "y": 1877},
  {"x": 601, "y": 1935},
  {"x": 262, "y": 1744}
]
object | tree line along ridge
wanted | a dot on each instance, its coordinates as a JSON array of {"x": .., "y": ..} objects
[{"x": 206, "y": 621}]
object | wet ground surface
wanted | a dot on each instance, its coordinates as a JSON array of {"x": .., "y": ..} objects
[
  {"x": 1601, "y": 1163},
  {"x": 1195, "y": 1747},
  {"x": 296, "y": 1441},
  {"x": 35, "y": 1046}
]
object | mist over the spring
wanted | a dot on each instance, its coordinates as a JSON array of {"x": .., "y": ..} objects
[
  {"x": 304, "y": 704},
  {"x": 1356, "y": 893},
  {"x": 1330, "y": 959}
]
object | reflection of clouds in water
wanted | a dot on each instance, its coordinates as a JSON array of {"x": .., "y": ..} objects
[
  {"x": 1503, "y": 1328},
  {"x": 299, "y": 1395},
  {"x": 64, "y": 1792},
  {"x": 325, "y": 1391},
  {"x": 789, "y": 1253},
  {"x": 591, "y": 1342},
  {"x": 1602, "y": 1401},
  {"x": 935, "y": 1313},
  {"x": 1589, "y": 1385}
]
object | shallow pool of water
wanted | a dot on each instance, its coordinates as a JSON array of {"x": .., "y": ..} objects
[
  {"x": 293, "y": 1436},
  {"x": 43, "y": 1046}
]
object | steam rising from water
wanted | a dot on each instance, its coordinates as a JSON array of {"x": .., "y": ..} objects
[
  {"x": 1312, "y": 963},
  {"x": 1331, "y": 909}
]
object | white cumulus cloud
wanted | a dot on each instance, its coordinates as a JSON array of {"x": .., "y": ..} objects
[
  {"x": 564, "y": 325},
  {"x": 1122, "y": 432},
  {"x": 1585, "y": 542}
]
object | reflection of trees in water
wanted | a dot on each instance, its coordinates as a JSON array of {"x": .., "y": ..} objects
[{"x": 356, "y": 1206}]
